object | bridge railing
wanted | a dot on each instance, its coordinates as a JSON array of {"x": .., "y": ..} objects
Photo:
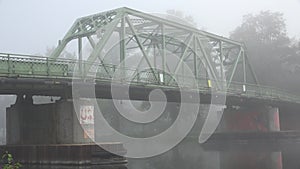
[
  {"x": 264, "y": 92},
  {"x": 16, "y": 65},
  {"x": 28, "y": 65}
]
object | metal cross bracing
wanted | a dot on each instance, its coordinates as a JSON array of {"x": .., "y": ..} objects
[
  {"x": 209, "y": 56},
  {"x": 165, "y": 47}
]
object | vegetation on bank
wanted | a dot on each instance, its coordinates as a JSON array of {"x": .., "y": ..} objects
[{"x": 8, "y": 162}]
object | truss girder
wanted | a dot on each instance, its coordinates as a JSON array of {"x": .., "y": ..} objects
[{"x": 219, "y": 59}]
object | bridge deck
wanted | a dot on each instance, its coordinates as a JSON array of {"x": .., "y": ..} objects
[{"x": 43, "y": 76}]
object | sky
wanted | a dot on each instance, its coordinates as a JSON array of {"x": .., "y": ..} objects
[{"x": 30, "y": 26}]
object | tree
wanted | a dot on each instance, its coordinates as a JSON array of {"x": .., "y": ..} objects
[
  {"x": 291, "y": 61},
  {"x": 267, "y": 28},
  {"x": 269, "y": 48}
]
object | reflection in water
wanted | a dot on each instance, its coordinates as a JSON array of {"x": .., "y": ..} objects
[
  {"x": 69, "y": 167},
  {"x": 51, "y": 167},
  {"x": 188, "y": 154},
  {"x": 192, "y": 155}
]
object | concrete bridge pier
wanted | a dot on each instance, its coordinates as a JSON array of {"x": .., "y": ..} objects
[
  {"x": 53, "y": 134},
  {"x": 250, "y": 120},
  {"x": 53, "y": 123}
]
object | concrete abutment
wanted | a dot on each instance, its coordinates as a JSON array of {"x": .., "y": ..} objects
[{"x": 52, "y": 123}]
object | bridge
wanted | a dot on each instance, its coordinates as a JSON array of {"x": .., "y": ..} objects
[
  {"x": 217, "y": 63},
  {"x": 127, "y": 48}
]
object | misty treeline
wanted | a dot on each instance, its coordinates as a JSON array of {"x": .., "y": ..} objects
[{"x": 273, "y": 54}]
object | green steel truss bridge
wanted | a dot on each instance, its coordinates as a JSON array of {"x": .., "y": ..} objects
[{"x": 167, "y": 50}]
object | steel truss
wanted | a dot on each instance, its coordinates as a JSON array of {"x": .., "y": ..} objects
[{"x": 213, "y": 59}]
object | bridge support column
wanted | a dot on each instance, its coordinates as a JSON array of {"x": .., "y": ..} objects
[
  {"x": 250, "y": 119},
  {"x": 53, "y": 123}
]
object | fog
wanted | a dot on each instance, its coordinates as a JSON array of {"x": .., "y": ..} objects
[
  {"x": 35, "y": 26},
  {"x": 31, "y": 26}
]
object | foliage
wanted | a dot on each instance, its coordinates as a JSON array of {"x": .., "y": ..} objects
[
  {"x": 9, "y": 162},
  {"x": 274, "y": 56},
  {"x": 267, "y": 28},
  {"x": 291, "y": 60}
]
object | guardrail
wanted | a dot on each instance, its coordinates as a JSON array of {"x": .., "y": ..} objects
[{"x": 17, "y": 65}]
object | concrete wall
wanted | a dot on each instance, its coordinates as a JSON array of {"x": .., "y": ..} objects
[
  {"x": 31, "y": 124},
  {"x": 54, "y": 123},
  {"x": 64, "y": 122},
  {"x": 262, "y": 119},
  {"x": 13, "y": 125}
]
